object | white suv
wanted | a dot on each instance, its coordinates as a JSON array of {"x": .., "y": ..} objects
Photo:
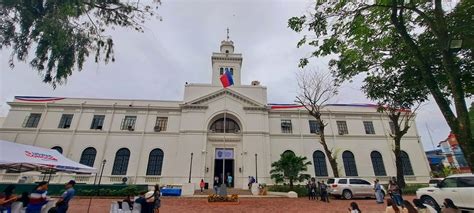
[
  {"x": 459, "y": 188},
  {"x": 348, "y": 188}
]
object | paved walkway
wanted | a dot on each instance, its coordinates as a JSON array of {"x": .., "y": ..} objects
[{"x": 273, "y": 205}]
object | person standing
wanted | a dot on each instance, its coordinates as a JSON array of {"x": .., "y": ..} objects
[
  {"x": 395, "y": 193},
  {"x": 7, "y": 198},
  {"x": 229, "y": 180},
  {"x": 155, "y": 206},
  {"x": 308, "y": 187},
  {"x": 324, "y": 192},
  {"x": 313, "y": 188},
  {"x": 378, "y": 192},
  {"x": 38, "y": 198},
  {"x": 202, "y": 185},
  {"x": 63, "y": 203},
  {"x": 216, "y": 184}
]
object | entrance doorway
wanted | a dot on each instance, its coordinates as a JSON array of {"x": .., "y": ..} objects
[
  {"x": 229, "y": 170},
  {"x": 224, "y": 156}
]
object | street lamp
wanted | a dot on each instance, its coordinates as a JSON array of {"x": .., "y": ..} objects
[
  {"x": 190, "y": 167},
  {"x": 256, "y": 169},
  {"x": 100, "y": 177}
]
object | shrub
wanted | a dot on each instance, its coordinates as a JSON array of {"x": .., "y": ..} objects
[{"x": 302, "y": 191}]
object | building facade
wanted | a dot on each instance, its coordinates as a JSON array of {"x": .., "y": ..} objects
[{"x": 174, "y": 142}]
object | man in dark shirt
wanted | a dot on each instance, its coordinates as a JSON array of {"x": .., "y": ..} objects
[{"x": 63, "y": 202}]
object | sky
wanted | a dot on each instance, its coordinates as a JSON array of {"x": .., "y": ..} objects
[{"x": 157, "y": 63}]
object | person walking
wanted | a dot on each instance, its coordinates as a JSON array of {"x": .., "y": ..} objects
[
  {"x": 354, "y": 208},
  {"x": 378, "y": 192},
  {"x": 7, "y": 197},
  {"x": 63, "y": 203},
  {"x": 202, "y": 185},
  {"x": 38, "y": 198}
]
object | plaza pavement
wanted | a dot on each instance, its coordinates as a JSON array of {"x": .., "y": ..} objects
[{"x": 273, "y": 205}]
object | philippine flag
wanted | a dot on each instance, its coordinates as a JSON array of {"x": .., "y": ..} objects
[{"x": 226, "y": 78}]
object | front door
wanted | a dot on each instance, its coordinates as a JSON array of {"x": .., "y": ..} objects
[{"x": 224, "y": 156}]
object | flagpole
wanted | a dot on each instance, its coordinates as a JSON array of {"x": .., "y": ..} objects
[{"x": 225, "y": 132}]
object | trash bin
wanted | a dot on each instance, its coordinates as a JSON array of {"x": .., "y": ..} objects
[{"x": 206, "y": 185}]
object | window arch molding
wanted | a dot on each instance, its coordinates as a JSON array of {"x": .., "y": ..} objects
[
  {"x": 88, "y": 156},
  {"x": 155, "y": 162},
  {"x": 377, "y": 163},
  {"x": 350, "y": 166},
  {"x": 319, "y": 163},
  {"x": 220, "y": 115},
  {"x": 121, "y": 160}
]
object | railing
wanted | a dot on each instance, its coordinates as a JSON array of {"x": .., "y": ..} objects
[{"x": 10, "y": 178}]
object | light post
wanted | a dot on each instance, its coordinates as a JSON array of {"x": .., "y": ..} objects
[
  {"x": 100, "y": 177},
  {"x": 190, "y": 167},
  {"x": 256, "y": 169}
]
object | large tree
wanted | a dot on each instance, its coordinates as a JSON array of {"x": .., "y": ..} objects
[
  {"x": 399, "y": 95},
  {"x": 315, "y": 90},
  {"x": 429, "y": 32},
  {"x": 289, "y": 168},
  {"x": 63, "y": 33}
]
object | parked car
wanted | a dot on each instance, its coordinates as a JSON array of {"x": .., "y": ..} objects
[
  {"x": 349, "y": 188},
  {"x": 435, "y": 181},
  {"x": 459, "y": 188}
]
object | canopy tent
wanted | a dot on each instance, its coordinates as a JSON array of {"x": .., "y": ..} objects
[{"x": 21, "y": 157}]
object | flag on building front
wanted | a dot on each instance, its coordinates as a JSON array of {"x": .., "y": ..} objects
[{"x": 226, "y": 78}]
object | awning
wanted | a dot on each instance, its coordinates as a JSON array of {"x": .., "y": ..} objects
[{"x": 20, "y": 157}]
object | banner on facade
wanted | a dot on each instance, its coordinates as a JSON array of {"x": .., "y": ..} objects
[{"x": 224, "y": 153}]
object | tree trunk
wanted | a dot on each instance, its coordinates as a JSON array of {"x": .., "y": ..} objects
[
  {"x": 332, "y": 160},
  {"x": 398, "y": 163},
  {"x": 291, "y": 184}
]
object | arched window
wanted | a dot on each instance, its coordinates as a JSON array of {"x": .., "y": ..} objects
[
  {"x": 155, "y": 162},
  {"x": 349, "y": 163},
  {"x": 230, "y": 125},
  {"x": 221, "y": 71},
  {"x": 121, "y": 162},
  {"x": 58, "y": 148},
  {"x": 88, "y": 156},
  {"x": 319, "y": 161},
  {"x": 406, "y": 164},
  {"x": 377, "y": 163}
]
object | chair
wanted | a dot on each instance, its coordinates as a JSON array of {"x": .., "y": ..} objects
[
  {"x": 125, "y": 208},
  {"x": 137, "y": 208},
  {"x": 16, "y": 207}
]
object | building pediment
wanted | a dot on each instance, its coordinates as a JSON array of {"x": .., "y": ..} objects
[{"x": 205, "y": 100}]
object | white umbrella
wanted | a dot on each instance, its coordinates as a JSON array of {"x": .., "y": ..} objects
[{"x": 25, "y": 157}]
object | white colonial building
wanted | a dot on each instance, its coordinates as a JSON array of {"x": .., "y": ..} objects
[{"x": 152, "y": 141}]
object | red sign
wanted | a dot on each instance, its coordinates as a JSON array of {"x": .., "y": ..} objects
[{"x": 40, "y": 156}]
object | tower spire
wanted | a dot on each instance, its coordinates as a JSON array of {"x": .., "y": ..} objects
[{"x": 227, "y": 34}]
